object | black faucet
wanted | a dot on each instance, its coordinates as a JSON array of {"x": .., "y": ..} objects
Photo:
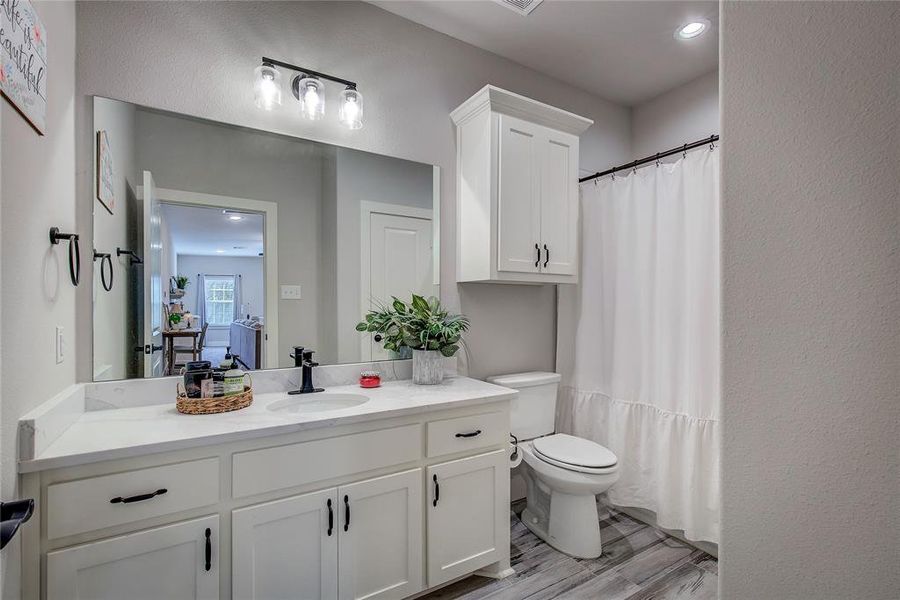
[{"x": 306, "y": 363}]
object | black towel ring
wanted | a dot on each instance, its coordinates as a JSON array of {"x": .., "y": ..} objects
[
  {"x": 74, "y": 252},
  {"x": 105, "y": 258}
]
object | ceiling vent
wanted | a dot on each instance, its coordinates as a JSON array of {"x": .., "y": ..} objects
[{"x": 523, "y": 7}]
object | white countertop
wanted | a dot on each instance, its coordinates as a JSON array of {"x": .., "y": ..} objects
[{"x": 127, "y": 432}]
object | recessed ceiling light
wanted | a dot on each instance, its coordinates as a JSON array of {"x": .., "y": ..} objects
[
  {"x": 232, "y": 215},
  {"x": 692, "y": 29},
  {"x": 220, "y": 251}
]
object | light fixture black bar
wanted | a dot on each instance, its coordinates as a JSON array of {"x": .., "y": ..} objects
[
  {"x": 654, "y": 157},
  {"x": 304, "y": 70}
]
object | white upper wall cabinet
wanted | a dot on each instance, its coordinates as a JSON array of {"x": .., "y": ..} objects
[{"x": 517, "y": 189}]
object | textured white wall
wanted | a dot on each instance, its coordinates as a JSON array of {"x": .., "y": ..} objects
[
  {"x": 682, "y": 115},
  {"x": 37, "y": 191},
  {"x": 198, "y": 58},
  {"x": 810, "y": 300}
]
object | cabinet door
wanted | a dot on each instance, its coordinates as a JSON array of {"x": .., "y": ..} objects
[
  {"x": 519, "y": 202},
  {"x": 287, "y": 548},
  {"x": 468, "y": 515},
  {"x": 176, "y": 561},
  {"x": 559, "y": 203},
  {"x": 380, "y": 548}
]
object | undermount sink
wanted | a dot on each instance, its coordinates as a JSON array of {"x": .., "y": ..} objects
[{"x": 319, "y": 402}]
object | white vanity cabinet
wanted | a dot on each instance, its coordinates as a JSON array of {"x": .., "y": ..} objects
[
  {"x": 287, "y": 545},
  {"x": 345, "y": 511},
  {"x": 176, "y": 561},
  {"x": 517, "y": 189},
  {"x": 362, "y": 540},
  {"x": 468, "y": 526}
]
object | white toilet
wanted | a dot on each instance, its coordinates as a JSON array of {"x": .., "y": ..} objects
[{"x": 563, "y": 473}]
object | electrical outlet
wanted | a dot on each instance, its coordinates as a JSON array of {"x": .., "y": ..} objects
[
  {"x": 290, "y": 292},
  {"x": 60, "y": 345}
]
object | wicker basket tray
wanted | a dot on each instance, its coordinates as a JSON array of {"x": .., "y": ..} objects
[{"x": 210, "y": 406}]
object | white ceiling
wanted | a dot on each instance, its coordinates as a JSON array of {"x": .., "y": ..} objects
[
  {"x": 203, "y": 231},
  {"x": 623, "y": 51}
]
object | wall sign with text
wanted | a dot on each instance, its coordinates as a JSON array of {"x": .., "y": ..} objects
[{"x": 23, "y": 61}]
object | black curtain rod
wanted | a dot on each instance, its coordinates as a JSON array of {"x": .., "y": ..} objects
[{"x": 643, "y": 161}]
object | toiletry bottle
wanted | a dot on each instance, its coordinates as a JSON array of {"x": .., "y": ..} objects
[{"x": 234, "y": 380}]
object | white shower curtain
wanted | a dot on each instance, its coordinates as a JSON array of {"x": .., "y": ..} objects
[{"x": 638, "y": 338}]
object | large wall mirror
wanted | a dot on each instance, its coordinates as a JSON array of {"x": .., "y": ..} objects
[{"x": 211, "y": 238}]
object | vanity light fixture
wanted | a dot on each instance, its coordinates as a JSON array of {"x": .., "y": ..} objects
[
  {"x": 691, "y": 30},
  {"x": 308, "y": 87},
  {"x": 311, "y": 93},
  {"x": 267, "y": 87},
  {"x": 351, "y": 108}
]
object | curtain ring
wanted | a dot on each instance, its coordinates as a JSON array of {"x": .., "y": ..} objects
[
  {"x": 634, "y": 167},
  {"x": 657, "y": 159},
  {"x": 712, "y": 143},
  {"x": 684, "y": 152}
]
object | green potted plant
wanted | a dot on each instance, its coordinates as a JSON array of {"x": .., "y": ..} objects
[
  {"x": 179, "y": 284},
  {"x": 423, "y": 326},
  {"x": 175, "y": 321}
]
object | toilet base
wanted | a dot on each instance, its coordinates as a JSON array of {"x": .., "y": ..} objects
[{"x": 573, "y": 527}]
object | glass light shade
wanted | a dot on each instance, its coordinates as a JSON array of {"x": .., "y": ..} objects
[
  {"x": 267, "y": 87},
  {"x": 312, "y": 98},
  {"x": 351, "y": 108}
]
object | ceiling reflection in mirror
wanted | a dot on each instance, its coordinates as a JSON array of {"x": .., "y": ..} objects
[{"x": 212, "y": 239}]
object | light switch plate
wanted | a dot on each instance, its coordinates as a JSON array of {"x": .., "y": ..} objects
[{"x": 290, "y": 292}]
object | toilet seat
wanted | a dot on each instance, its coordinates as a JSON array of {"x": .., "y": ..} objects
[{"x": 574, "y": 454}]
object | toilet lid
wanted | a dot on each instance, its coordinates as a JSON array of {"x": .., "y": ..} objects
[{"x": 575, "y": 451}]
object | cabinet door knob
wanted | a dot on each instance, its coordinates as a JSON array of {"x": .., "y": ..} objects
[
  {"x": 330, "y": 518},
  {"x": 546, "y": 256},
  {"x": 537, "y": 262},
  {"x": 346, "y": 513},
  {"x": 437, "y": 491}
]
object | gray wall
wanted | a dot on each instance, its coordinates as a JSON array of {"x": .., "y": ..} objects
[
  {"x": 412, "y": 77},
  {"x": 680, "y": 116},
  {"x": 37, "y": 191},
  {"x": 810, "y": 262}
]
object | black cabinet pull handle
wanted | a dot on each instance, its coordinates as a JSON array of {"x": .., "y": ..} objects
[
  {"x": 330, "y": 518},
  {"x": 471, "y": 434},
  {"x": 208, "y": 549},
  {"x": 437, "y": 491},
  {"x": 346, "y": 513},
  {"x": 546, "y": 256},
  {"x": 138, "y": 498},
  {"x": 538, "y": 261}
]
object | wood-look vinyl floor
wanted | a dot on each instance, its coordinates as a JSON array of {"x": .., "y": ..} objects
[{"x": 638, "y": 562}]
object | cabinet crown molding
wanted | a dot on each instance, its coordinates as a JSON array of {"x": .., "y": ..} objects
[{"x": 509, "y": 103}]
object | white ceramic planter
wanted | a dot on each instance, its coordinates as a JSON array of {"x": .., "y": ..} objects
[{"x": 428, "y": 368}]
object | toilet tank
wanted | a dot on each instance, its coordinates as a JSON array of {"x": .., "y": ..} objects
[{"x": 533, "y": 413}]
